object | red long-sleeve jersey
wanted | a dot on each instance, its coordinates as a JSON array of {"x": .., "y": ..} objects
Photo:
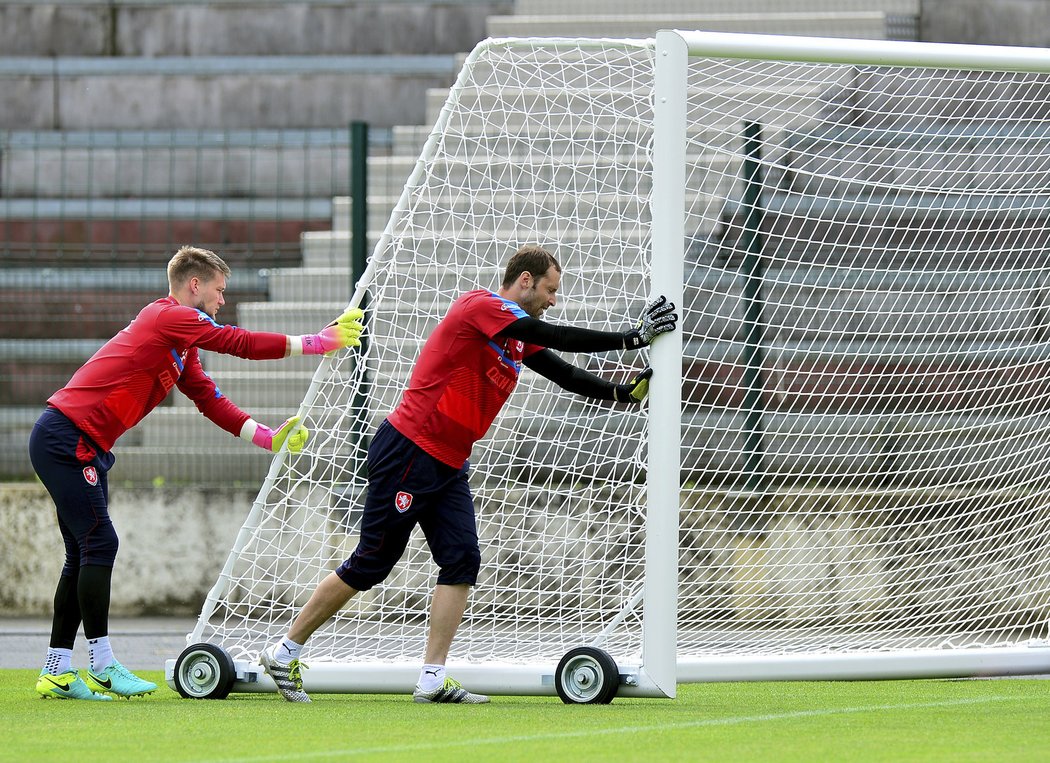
[
  {"x": 135, "y": 370},
  {"x": 464, "y": 374}
]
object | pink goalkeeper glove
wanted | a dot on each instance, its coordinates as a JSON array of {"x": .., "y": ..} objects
[
  {"x": 344, "y": 331},
  {"x": 272, "y": 440}
]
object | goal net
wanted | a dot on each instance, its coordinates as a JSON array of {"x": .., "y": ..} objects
[{"x": 864, "y": 432}]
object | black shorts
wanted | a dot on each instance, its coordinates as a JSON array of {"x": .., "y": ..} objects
[{"x": 407, "y": 486}]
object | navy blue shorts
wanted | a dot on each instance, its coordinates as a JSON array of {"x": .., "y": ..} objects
[
  {"x": 74, "y": 471},
  {"x": 406, "y": 487}
]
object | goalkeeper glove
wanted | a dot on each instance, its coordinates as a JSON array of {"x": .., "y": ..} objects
[
  {"x": 659, "y": 317},
  {"x": 344, "y": 331},
  {"x": 636, "y": 390},
  {"x": 272, "y": 440}
]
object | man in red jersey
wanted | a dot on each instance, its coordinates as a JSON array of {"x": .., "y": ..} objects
[
  {"x": 71, "y": 444},
  {"x": 417, "y": 461}
]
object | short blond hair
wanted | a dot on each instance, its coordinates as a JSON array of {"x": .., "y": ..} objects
[{"x": 193, "y": 262}]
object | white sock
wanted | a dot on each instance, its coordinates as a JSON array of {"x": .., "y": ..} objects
[
  {"x": 100, "y": 653},
  {"x": 287, "y": 651},
  {"x": 431, "y": 677},
  {"x": 58, "y": 661}
]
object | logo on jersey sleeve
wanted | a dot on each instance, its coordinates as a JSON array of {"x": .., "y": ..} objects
[
  {"x": 403, "y": 501},
  {"x": 91, "y": 475}
]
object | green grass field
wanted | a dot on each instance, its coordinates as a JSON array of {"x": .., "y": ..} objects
[{"x": 1006, "y": 720}]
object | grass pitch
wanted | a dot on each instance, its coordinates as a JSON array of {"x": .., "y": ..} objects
[{"x": 1005, "y": 720}]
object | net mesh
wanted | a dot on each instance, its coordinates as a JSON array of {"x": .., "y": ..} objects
[{"x": 865, "y": 367}]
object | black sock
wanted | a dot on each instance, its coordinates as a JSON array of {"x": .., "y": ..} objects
[
  {"x": 66, "y": 620},
  {"x": 93, "y": 593}
]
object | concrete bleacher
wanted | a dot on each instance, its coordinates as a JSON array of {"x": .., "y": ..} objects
[
  {"x": 862, "y": 19},
  {"x": 227, "y": 92},
  {"x": 859, "y": 25},
  {"x": 127, "y": 128},
  {"x": 172, "y": 442},
  {"x": 228, "y": 64},
  {"x": 161, "y": 28}
]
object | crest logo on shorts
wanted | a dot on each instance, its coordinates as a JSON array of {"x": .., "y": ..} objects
[
  {"x": 92, "y": 476},
  {"x": 403, "y": 501}
]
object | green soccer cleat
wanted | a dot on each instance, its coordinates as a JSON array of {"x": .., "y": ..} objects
[
  {"x": 450, "y": 691},
  {"x": 116, "y": 679},
  {"x": 68, "y": 685}
]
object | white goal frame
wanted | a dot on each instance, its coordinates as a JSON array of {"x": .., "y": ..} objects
[
  {"x": 660, "y": 670},
  {"x": 673, "y": 49}
]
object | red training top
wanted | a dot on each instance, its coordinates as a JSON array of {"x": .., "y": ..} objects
[
  {"x": 132, "y": 372},
  {"x": 464, "y": 375}
]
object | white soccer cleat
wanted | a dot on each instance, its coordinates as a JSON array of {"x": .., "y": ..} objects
[
  {"x": 450, "y": 691},
  {"x": 288, "y": 677}
]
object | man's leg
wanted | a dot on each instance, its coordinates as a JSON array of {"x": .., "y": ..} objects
[
  {"x": 281, "y": 660},
  {"x": 452, "y": 535},
  {"x": 329, "y": 597},
  {"x": 446, "y": 613},
  {"x": 65, "y": 623},
  {"x": 72, "y": 478}
]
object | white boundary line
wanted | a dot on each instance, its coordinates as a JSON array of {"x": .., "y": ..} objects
[{"x": 347, "y": 752}]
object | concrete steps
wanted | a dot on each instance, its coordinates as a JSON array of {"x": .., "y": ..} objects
[
  {"x": 264, "y": 389},
  {"x": 176, "y": 164},
  {"x": 217, "y": 93},
  {"x": 860, "y": 24},
  {"x": 599, "y": 8},
  {"x": 157, "y": 28}
]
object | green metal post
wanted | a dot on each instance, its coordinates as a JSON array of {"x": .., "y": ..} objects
[
  {"x": 358, "y": 263},
  {"x": 358, "y": 199},
  {"x": 752, "y": 242}
]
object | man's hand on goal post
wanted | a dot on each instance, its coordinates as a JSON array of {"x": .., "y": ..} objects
[
  {"x": 344, "y": 331},
  {"x": 634, "y": 391},
  {"x": 272, "y": 439},
  {"x": 658, "y": 317}
]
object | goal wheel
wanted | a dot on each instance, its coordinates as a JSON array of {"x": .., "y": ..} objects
[
  {"x": 204, "y": 671},
  {"x": 587, "y": 676}
]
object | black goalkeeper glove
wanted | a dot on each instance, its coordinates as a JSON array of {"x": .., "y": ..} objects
[
  {"x": 636, "y": 390},
  {"x": 659, "y": 317}
]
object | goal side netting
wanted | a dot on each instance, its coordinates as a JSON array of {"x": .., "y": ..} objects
[{"x": 865, "y": 428}]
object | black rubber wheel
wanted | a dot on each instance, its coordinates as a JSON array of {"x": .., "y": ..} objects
[
  {"x": 587, "y": 676},
  {"x": 204, "y": 671}
]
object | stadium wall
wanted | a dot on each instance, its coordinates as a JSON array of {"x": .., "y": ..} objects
[
  {"x": 173, "y": 543},
  {"x": 745, "y": 556},
  {"x": 979, "y": 22}
]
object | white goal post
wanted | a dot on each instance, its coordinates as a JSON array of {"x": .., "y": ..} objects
[{"x": 842, "y": 471}]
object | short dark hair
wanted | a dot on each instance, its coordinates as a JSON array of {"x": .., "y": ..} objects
[
  {"x": 529, "y": 259},
  {"x": 190, "y": 262}
]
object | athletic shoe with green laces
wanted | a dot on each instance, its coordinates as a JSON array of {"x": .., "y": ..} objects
[
  {"x": 68, "y": 685},
  {"x": 289, "y": 678},
  {"x": 450, "y": 691},
  {"x": 116, "y": 679}
]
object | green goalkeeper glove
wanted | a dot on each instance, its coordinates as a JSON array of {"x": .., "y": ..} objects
[
  {"x": 344, "y": 331},
  {"x": 636, "y": 390},
  {"x": 273, "y": 439}
]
